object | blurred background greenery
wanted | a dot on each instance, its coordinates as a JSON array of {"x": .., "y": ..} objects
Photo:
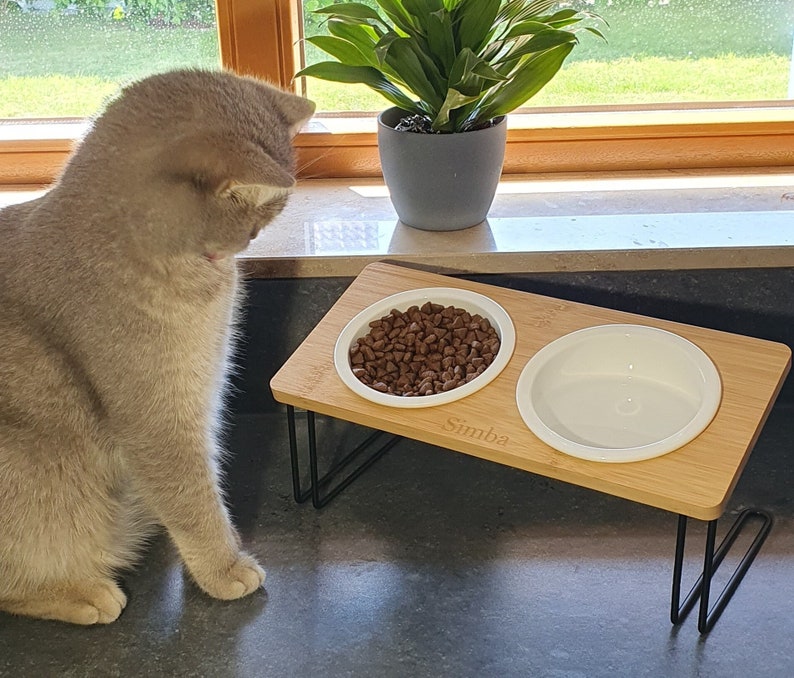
[{"x": 62, "y": 58}]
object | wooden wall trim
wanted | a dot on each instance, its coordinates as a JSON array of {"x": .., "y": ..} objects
[
  {"x": 256, "y": 38},
  {"x": 591, "y": 149}
]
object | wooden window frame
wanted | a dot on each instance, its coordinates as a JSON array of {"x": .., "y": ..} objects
[{"x": 261, "y": 38}]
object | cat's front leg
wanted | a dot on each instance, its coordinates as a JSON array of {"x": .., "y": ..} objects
[
  {"x": 224, "y": 571},
  {"x": 179, "y": 482},
  {"x": 223, "y": 580}
]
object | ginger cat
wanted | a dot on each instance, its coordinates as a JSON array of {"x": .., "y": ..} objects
[{"x": 118, "y": 291}]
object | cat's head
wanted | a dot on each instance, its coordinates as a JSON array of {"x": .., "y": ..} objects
[{"x": 204, "y": 159}]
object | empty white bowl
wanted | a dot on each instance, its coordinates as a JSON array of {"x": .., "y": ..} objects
[
  {"x": 618, "y": 393},
  {"x": 448, "y": 296}
]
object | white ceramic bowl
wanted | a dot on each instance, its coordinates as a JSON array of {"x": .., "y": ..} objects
[
  {"x": 448, "y": 296},
  {"x": 618, "y": 393}
]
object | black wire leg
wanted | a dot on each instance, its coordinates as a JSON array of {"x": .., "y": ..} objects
[
  {"x": 711, "y": 562},
  {"x": 318, "y": 488}
]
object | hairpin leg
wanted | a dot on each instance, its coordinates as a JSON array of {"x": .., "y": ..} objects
[
  {"x": 317, "y": 483},
  {"x": 711, "y": 562}
]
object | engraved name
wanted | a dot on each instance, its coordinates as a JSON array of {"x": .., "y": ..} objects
[{"x": 488, "y": 435}]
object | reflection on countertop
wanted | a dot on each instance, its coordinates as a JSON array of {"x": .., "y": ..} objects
[{"x": 665, "y": 220}]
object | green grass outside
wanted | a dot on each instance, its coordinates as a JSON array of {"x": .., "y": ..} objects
[
  {"x": 53, "y": 96},
  {"x": 680, "y": 50},
  {"x": 629, "y": 81},
  {"x": 657, "y": 51},
  {"x": 52, "y": 65}
]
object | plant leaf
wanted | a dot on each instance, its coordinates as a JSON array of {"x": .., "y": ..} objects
[
  {"x": 453, "y": 100},
  {"x": 485, "y": 71},
  {"x": 352, "y": 12},
  {"x": 380, "y": 50},
  {"x": 367, "y": 75},
  {"x": 422, "y": 8},
  {"x": 530, "y": 77},
  {"x": 562, "y": 16},
  {"x": 519, "y": 10},
  {"x": 383, "y": 46},
  {"x": 396, "y": 12},
  {"x": 595, "y": 31},
  {"x": 363, "y": 37},
  {"x": 415, "y": 70},
  {"x": 460, "y": 75},
  {"x": 441, "y": 40},
  {"x": 342, "y": 50},
  {"x": 472, "y": 75},
  {"x": 541, "y": 42},
  {"x": 475, "y": 21},
  {"x": 525, "y": 28}
]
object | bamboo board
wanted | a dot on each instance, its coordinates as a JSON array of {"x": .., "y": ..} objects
[{"x": 695, "y": 480}]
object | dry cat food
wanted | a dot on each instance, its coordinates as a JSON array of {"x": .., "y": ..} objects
[{"x": 424, "y": 350}]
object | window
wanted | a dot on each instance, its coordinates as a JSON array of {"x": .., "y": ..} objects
[
  {"x": 262, "y": 37},
  {"x": 656, "y": 52},
  {"x": 62, "y": 58}
]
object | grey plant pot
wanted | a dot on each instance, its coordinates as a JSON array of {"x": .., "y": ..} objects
[{"x": 440, "y": 182}]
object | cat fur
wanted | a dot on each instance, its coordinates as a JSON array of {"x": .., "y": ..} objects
[{"x": 118, "y": 297}]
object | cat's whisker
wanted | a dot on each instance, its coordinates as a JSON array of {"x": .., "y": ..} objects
[{"x": 301, "y": 169}]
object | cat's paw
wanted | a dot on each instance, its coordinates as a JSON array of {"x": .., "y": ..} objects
[
  {"x": 101, "y": 603},
  {"x": 90, "y": 602},
  {"x": 242, "y": 577}
]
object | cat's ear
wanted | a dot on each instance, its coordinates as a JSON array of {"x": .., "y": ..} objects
[
  {"x": 216, "y": 163},
  {"x": 255, "y": 194},
  {"x": 297, "y": 110}
]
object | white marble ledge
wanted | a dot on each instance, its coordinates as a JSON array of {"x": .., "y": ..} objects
[
  {"x": 668, "y": 220},
  {"x": 662, "y": 220}
]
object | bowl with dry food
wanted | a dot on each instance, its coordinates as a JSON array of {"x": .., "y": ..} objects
[
  {"x": 424, "y": 347},
  {"x": 619, "y": 393}
]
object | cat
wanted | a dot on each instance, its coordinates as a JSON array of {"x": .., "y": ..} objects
[{"x": 118, "y": 298}]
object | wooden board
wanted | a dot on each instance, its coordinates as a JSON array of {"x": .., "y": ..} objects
[{"x": 695, "y": 480}]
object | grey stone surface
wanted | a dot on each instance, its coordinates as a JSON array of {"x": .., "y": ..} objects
[{"x": 435, "y": 564}]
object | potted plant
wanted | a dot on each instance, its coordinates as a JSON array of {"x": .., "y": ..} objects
[{"x": 453, "y": 70}]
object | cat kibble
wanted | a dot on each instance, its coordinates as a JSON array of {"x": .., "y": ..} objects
[{"x": 424, "y": 350}]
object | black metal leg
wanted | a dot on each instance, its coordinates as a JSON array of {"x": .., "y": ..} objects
[
  {"x": 678, "y": 611},
  {"x": 318, "y": 485},
  {"x": 711, "y": 561}
]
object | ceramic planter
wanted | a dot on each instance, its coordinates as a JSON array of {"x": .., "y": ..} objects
[{"x": 440, "y": 182}]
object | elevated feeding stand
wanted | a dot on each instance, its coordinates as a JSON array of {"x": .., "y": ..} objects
[{"x": 694, "y": 481}]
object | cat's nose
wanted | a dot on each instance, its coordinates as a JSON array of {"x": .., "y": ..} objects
[{"x": 255, "y": 232}]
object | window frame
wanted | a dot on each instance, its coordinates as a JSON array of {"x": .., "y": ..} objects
[{"x": 261, "y": 38}]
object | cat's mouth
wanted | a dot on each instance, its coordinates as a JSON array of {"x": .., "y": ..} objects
[{"x": 218, "y": 251}]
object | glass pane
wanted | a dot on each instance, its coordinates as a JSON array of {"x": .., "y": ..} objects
[
  {"x": 657, "y": 51},
  {"x": 63, "y": 57}
]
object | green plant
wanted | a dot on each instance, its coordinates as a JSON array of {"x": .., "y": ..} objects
[
  {"x": 160, "y": 12},
  {"x": 465, "y": 61},
  {"x": 86, "y": 7}
]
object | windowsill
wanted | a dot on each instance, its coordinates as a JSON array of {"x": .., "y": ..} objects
[
  {"x": 644, "y": 116},
  {"x": 662, "y": 220},
  {"x": 657, "y": 220}
]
